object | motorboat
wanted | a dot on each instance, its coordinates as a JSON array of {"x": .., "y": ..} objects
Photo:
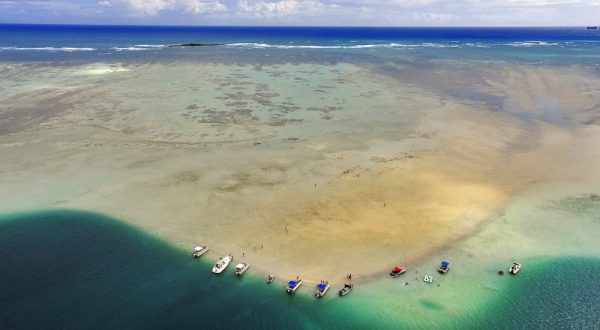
[
  {"x": 346, "y": 289},
  {"x": 397, "y": 271},
  {"x": 321, "y": 289},
  {"x": 223, "y": 262},
  {"x": 515, "y": 268},
  {"x": 199, "y": 251},
  {"x": 428, "y": 279},
  {"x": 444, "y": 267},
  {"x": 241, "y": 268},
  {"x": 270, "y": 279},
  {"x": 293, "y": 286}
]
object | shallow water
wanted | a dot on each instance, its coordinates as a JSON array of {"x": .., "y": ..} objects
[{"x": 73, "y": 269}]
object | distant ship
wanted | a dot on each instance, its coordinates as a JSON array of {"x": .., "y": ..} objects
[{"x": 592, "y": 28}]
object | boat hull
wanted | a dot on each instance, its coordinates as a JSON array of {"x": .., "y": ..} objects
[
  {"x": 198, "y": 254},
  {"x": 320, "y": 294},
  {"x": 292, "y": 290},
  {"x": 239, "y": 272},
  {"x": 345, "y": 291},
  {"x": 224, "y": 262},
  {"x": 397, "y": 274}
]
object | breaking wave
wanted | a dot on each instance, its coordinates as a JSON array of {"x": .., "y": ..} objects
[
  {"x": 532, "y": 43},
  {"x": 361, "y": 46},
  {"x": 51, "y": 49}
]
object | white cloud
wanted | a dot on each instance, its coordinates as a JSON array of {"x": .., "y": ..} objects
[
  {"x": 204, "y": 6},
  {"x": 465, "y": 3},
  {"x": 154, "y": 7},
  {"x": 306, "y": 12},
  {"x": 429, "y": 17},
  {"x": 150, "y": 7},
  {"x": 282, "y": 8}
]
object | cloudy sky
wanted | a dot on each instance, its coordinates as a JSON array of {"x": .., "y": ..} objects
[{"x": 306, "y": 12}]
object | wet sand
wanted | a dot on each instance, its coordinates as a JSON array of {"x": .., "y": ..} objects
[{"x": 312, "y": 170}]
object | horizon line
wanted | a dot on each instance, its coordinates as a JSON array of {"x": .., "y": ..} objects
[{"x": 308, "y": 26}]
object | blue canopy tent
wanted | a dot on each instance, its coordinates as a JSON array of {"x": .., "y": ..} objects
[
  {"x": 321, "y": 286},
  {"x": 445, "y": 264},
  {"x": 292, "y": 283}
]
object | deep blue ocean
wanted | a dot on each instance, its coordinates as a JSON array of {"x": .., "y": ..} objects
[{"x": 64, "y": 42}]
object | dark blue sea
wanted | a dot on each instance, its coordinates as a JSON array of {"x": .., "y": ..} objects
[{"x": 254, "y": 44}]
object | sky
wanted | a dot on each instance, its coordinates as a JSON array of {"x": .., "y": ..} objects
[{"x": 305, "y": 12}]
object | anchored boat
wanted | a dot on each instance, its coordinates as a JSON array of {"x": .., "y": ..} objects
[
  {"x": 346, "y": 289},
  {"x": 293, "y": 286},
  {"x": 444, "y": 267},
  {"x": 241, "y": 268},
  {"x": 397, "y": 271},
  {"x": 515, "y": 268},
  {"x": 321, "y": 289},
  {"x": 270, "y": 279},
  {"x": 199, "y": 251},
  {"x": 223, "y": 262},
  {"x": 428, "y": 279}
]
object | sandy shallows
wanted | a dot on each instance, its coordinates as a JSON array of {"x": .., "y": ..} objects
[{"x": 308, "y": 170}]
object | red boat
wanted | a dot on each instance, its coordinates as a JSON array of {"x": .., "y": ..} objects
[{"x": 397, "y": 271}]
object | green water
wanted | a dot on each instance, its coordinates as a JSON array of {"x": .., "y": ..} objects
[{"x": 71, "y": 269}]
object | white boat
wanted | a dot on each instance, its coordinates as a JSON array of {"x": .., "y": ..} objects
[
  {"x": 321, "y": 289},
  {"x": 270, "y": 279},
  {"x": 199, "y": 251},
  {"x": 346, "y": 289},
  {"x": 293, "y": 286},
  {"x": 515, "y": 268},
  {"x": 222, "y": 264},
  {"x": 428, "y": 279},
  {"x": 241, "y": 268}
]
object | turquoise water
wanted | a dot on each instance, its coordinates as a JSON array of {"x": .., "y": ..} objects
[{"x": 71, "y": 269}]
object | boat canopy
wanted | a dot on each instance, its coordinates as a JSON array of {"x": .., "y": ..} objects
[
  {"x": 397, "y": 269},
  {"x": 445, "y": 263},
  {"x": 198, "y": 249},
  {"x": 321, "y": 286},
  {"x": 292, "y": 283}
]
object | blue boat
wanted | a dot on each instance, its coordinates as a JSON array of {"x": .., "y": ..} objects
[
  {"x": 444, "y": 267},
  {"x": 293, "y": 286},
  {"x": 321, "y": 289}
]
